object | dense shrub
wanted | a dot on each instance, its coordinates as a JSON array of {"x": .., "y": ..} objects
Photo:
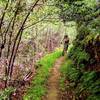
[
  {"x": 79, "y": 56},
  {"x": 86, "y": 84},
  {"x": 93, "y": 97},
  {"x": 68, "y": 72}
]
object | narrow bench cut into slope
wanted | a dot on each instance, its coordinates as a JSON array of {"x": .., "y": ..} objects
[{"x": 53, "y": 81}]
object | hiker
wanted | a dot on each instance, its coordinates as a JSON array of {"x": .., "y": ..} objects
[{"x": 65, "y": 42}]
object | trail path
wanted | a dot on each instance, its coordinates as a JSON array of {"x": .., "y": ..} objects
[{"x": 53, "y": 81}]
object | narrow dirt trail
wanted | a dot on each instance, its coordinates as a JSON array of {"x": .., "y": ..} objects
[{"x": 53, "y": 81}]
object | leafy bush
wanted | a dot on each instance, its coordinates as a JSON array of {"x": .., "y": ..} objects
[
  {"x": 62, "y": 83},
  {"x": 79, "y": 56},
  {"x": 68, "y": 72},
  {"x": 89, "y": 83},
  {"x": 93, "y": 97},
  {"x": 73, "y": 74},
  {"x": 6, "y": 92},
  {"x": 65, "y": 67}
]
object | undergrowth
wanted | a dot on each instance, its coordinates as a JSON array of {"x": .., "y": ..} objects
[
  {"x": 84, "y": 84},
  {"x": 69, "y": 73},
  {"x": 38, "y": 88},
  {"x": 4, "y": 95},
  {"x": 79, "y": 56}
]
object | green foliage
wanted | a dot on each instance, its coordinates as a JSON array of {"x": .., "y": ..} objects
[
  {"x": 88, "y": 39},
  {"x": 62, "y": 83},
  {"x": 65, "y": 67},
  {"x": 78, "y": 55},
  {"x": 35, "y": 93},
  {"x": 83, "y": 32},
  {"x": 37, "y": 90},
  {"x": 86, "y": 15},
  {"x": 85, "y": 81},
  {"x": 93, "y": 97},
  {"x": 73, "y": 74},
  {"x": 68, "y": 72},
  {"x": 95, "y": 87},
  {"x": 64, "y": 73},
  {"x": 76, "y": 10},
  {"x": 94, "y": 26},
  {"x": 5, "y": 93},
  {"x": 89, "y": 83}
]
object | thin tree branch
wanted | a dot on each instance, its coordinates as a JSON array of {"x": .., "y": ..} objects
[
  {"x": 16, "y": 45},
  {"x": 13, "y": 24},
  {"x": 34, "y": 23}
]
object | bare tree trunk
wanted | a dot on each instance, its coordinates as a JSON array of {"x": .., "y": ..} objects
[
  {"x": 12, "y": 28},
  {"x": 17, "y": 42},
  {"x": 6, "y": 31}
]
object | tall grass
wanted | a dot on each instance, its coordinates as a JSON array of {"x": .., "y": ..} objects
[{"x": 38, "y": 89}]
